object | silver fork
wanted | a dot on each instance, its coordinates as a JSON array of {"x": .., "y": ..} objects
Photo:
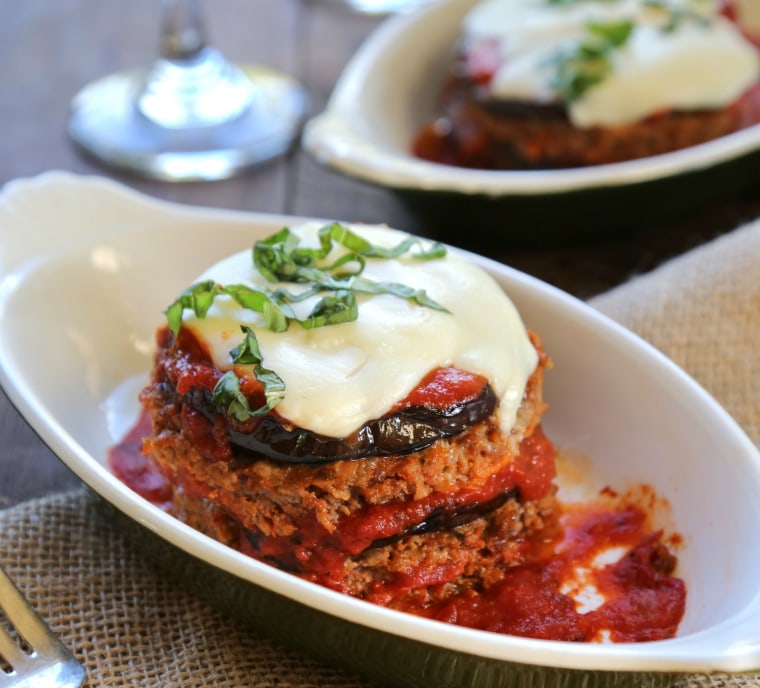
[{"x": 31, "y": 655}]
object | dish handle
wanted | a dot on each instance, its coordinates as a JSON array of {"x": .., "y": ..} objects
[{"x": 57, "y": 209}]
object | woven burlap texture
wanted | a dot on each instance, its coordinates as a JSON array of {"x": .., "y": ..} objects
[{"x": 133, "y": 626}]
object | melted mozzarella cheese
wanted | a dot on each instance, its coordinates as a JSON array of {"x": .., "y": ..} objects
[
  {"x": 338, "y": 377},
  {"x": 695, "y": 63}
]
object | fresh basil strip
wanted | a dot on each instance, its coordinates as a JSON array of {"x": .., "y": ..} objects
[
  {"x": 436, "y": 250},
  {"x": 198, "y": 298},
  {"x": 227, "y": 392},
  {"x": 582, "y": 65},
  {"x": 418, "y": 296},
  {"x": 248, "y": 353},
  {"x": 614, "y": 34},
  {"x": 324, "y": 282},
  {"x": 228, "y": 395},
  {"x": 339, "y": 308},
  {"x": 277, "y": 314}
]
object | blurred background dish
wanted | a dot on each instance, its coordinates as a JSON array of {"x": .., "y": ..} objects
[{"x": 391, "y": 87}]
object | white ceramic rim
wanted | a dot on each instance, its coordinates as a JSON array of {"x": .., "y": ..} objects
[{"x": 733, "y": 645}]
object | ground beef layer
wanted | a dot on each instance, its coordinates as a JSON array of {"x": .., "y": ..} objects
[
  {"x": 478, "y": 131},
  {"x": 427, "y": 524}
]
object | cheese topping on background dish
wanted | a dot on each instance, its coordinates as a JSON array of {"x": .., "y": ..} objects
[
  {"x": 340, "y": 376},
  {"x": 678, "y": 54}
]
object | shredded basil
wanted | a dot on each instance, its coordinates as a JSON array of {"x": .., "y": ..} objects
[
  {"x": 279, "y": 258},
  {"x": 227, "y": 392},
  {"x": 581, "y": 65},
  {"x": 676, "y": 16}
]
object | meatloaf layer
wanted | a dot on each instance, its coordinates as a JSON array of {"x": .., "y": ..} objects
[
  {"x": 478, "y": 131},
  {"x": 428, "y": 523}
]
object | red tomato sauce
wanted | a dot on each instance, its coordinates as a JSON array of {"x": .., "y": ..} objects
[
  {"x": 138, "y": 471},
  {"x": 322, "y": 555},
  {"x": 637, "y": 596},
  {"x": 443, "y": 388},
  {"x": 639, "y": 599}
]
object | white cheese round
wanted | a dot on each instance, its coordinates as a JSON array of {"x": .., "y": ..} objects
[
  {"x": 686, "y": 56},
  {"x": 338, "y": 377}
]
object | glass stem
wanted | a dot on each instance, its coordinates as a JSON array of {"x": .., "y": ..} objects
[
  {"x": 183, "y": 30},
  {"x": 191, "y": 85}
]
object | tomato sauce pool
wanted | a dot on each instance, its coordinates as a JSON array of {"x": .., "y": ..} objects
[{"x": 605, "y": 576}]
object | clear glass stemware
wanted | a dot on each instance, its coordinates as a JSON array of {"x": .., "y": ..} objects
[
  {"x": 192, "y": 115},
  {"x": 381, "y": 7}
]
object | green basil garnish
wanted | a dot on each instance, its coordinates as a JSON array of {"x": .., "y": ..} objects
[
  {"x": 584, "y": 64},
  {"x": 227, "y": 391},
  {"x": 280, "y": 258},
  {"x": 581, "y": 65}
]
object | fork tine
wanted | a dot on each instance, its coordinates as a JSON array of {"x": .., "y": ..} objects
[
  {"x": 9, "y": 648},
  {"x": 48, "y": 662},
  {"x": 18, "y": 611}
]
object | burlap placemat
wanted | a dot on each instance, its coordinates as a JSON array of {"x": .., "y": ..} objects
[{"x": 132, "y": 625}]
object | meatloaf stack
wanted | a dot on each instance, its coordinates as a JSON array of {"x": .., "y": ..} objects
[
  {"x": 429, "y": 523},
  {"x": 431, "y": 499}
]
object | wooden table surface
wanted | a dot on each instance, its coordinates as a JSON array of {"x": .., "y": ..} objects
[{"x": 50, "y": 48}]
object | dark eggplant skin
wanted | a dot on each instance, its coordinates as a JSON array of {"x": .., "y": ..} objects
[
  {"x": 442, "y": 518},
  {"x": 445, "y": 518},
  {"x": 395, "y": 434}
]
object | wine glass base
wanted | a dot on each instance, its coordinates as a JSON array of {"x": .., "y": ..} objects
[
  {"x": 380, "y": 7},
  {"x": 106, "y": 123}
]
